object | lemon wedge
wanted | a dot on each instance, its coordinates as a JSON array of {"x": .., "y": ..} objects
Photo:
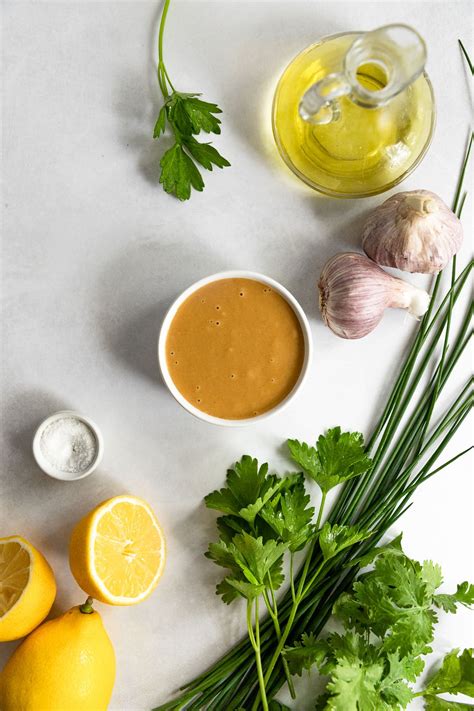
[
  {"x": 27, "y": 588},
  {"x": 117, "y": 552}
]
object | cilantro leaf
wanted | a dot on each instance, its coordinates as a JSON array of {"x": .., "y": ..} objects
[
  {"x": 334, "y": 538},
  {"x": 290, "y": 517},
  {"x": 179, "y": 174},
  {"x": 455, "y": 676},
  {"x": 464, "y": 595},
  {"x": 434, "y": 703},
  {"x": 393, "y": 602},
  {"x": 393, "y": 686},
  {"x": 393, "y": 547},
  {"x": 336, "y": 458},
  {"x": 305, "y": 653},
  {"x": 353, "y": 686},
  {"x": 431, "y": 575}
]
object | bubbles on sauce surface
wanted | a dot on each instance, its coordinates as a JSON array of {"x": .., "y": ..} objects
[
  {"x": 267, "y": 290},
  {"x": 172, "y": 353},
  {"x": 198, "y": 387}
]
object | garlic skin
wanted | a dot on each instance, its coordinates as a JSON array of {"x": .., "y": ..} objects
[
  {"x": 414, "y": 231},
  {"x": 354, "y": 293}
]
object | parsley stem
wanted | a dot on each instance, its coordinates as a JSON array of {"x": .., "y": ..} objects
[
  {"x": 321, "y": 509},
  {"x": 255, "y": 642},
  {"x": 292, "y": 575},
  {"x": 163, "y": 76},
  {"x": 296, "y": 602},
  {"x": 273, "y": 612}
]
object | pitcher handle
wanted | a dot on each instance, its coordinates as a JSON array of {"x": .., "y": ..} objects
[{"x": 319, "y": 104}]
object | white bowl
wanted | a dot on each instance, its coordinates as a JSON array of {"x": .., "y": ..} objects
[
  {"x": 58, "y": 473},
  {"x": 240, "y": 274}
]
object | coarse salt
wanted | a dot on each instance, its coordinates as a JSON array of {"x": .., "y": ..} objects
[{"x": 69, "y": 445}]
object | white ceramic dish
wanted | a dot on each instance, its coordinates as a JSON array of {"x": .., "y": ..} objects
[
  {"x": 58, "y": 473},
  {"x": 241, "y": 274}
]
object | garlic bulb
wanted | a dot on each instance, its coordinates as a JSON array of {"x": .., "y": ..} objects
[
  {"x": 414, "y": 231},
  {"x": 354, "y": 293}
]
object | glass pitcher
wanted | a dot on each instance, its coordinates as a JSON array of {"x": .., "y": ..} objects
[{"x": 354, "y": 113}]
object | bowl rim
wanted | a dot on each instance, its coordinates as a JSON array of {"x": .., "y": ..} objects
[
  {"x": 170, "y": 314},
  {"x": 43, "y": 463}
]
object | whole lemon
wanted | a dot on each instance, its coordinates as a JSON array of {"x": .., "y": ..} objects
[
  {"x": 66, "y": 664},
  {"x": 27, "y": 588}
]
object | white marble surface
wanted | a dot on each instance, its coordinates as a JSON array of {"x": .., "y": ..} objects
[{"x": 94, "y": 251}]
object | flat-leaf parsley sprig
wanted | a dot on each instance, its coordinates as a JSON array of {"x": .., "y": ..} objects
[
  {"x": 266, "y": 517},
  {"x": 186, "y": 115}
]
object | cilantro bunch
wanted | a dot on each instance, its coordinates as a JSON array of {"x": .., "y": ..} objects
[
  {"x": 388, "y": 618},
  {"x": 186, "y": 115},
  {"x": 267, "y": 518}
]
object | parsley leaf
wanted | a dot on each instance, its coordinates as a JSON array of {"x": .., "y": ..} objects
[
  {"x": 248, "y": 489},
  {"x": 334, "y": 538},
  {"x": 179, "y": 174},
  {"x": 337, "y": 457},
  {"x": 186, "y": 116},
  {"x": 160, "y": 124},
  {"x": 201, "y": 114},
  {"x": 250, "y": 561},
  {"x": 290, "y": 517}
]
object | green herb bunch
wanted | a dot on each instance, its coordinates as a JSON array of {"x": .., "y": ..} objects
[
  {"x": 186, "y": 115},
  {"x": 405, "y": 449},
  {"x": 388, "y": 618},
  {"x": 266, "y": 517}
]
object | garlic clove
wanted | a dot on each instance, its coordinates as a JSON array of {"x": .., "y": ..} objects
[
  {"x": 354, "y": 293},
  {"x": 414, "y": 231}
]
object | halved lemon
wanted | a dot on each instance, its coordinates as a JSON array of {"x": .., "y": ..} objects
[
  {"x": 117, "y": 552},
  {"x": 27, "y": 588}
]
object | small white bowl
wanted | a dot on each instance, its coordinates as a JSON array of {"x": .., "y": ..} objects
[
  {"x": 58, "y": 473},
  {"x": 240, "y": 274}
]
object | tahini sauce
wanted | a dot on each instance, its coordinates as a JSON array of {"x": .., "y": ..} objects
[{"x": 235, "y": 348}]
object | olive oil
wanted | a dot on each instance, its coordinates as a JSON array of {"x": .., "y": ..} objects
[{"x": 362, "y": 150}]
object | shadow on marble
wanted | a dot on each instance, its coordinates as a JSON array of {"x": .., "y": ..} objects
[
  {"x": 136, "y": 290},
  {"x": 137, "y": 111}
]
